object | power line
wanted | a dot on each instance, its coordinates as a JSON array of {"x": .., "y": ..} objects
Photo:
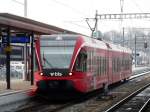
[
  {"x": 24, "y": 4},
  {"x": 68, "y": 6},
  {"x": 137, "y": 5},
  {"x": 121, "y": 5},
  {"x": 21, "y": 3},
  {"x": 79, "y": 25}
]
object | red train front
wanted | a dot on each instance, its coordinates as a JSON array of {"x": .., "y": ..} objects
[{"x": 74, "y": 62}]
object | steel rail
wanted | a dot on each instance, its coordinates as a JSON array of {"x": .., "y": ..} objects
[
  {"x": 144, "y": 107},
  {"x": 126, "y": 99},
  {"x": 59, "y": 107}
]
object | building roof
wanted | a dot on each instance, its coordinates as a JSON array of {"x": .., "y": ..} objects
[{"x": 25, "y": 24}]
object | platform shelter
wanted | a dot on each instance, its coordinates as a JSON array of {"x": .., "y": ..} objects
[{"x": 22, "y": 30}]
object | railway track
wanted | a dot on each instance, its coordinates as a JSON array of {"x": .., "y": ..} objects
[
  {"x": 42, "y": 105},
  {"x": 146, "y": 106},
  {"x": 100, "y": 105},
  {"x": 135, "y": 102},
  {"x": 52, "y": 106}
]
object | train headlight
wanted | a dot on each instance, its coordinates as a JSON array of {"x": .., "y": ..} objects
[
  {"x": 41, "y": 73},
  {"x": 70, "y": 73}
]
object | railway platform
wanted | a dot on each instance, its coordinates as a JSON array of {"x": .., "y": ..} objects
[
  {"x": 16, "y": 85},
  {"x": 21, "y": 85}
]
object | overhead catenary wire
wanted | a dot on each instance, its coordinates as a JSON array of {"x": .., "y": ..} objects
[
  {"x": 70, "y": 7},
  {"x": 75, "y": 23},
  {"x": 137, "y": 5}
]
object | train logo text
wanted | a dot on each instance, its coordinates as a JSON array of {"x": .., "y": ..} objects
[{"x": 56, "y": 74}]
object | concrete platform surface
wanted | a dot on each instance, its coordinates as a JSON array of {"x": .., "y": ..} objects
[{"x": 16, "y": 85}]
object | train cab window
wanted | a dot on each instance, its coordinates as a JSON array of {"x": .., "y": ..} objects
[{"x": 81, "y": 62}]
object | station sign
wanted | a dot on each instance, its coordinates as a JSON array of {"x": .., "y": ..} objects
[{"x": 16, "y": 39}]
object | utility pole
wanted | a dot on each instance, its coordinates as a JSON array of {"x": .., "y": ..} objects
[
  {"x": 25, "y": 8},
  {"x": 121, "y": 7},
  {"x": 25, "y": 45},
  {"x": 135, "y": 51},
  {"x": 96, "y": 24},
  {"x": 32, "y": 60},
  {"x": 123, "y": 35},
  {"x": 24, "y": 4},
  {"x": 7, "y": 50}
]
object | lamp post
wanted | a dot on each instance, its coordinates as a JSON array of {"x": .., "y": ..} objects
[
  {"x": 25, "y": 6},
  {"x": 25, "y": 45}
]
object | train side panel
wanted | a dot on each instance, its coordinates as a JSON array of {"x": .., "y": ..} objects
[{"x": 91, "y": 67}]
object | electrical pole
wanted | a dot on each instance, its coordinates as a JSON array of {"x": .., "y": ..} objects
[
  {"x": 24, "y": 4},
  {"x": 7, "y": 50},
  {"x": 25, "y": 45},
  {"x": 121, "y": 7},
  {"x": 25, "y": 8},
  {"x": 135, "y": 51},
  {"x": 123, "y": 35},
  {"x": 95, "y": 26}
]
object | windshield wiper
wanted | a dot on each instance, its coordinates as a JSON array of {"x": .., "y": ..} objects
[{"x": 45, "y": 60}]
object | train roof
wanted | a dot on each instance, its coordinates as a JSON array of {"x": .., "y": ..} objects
[
  {"x": 60, "y": 36},
  {"x": 92, "y": 42},
  {"x": 106, "y": 45}
]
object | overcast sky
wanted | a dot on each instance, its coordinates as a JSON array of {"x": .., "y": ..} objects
[{"x": 71, "y": 14}]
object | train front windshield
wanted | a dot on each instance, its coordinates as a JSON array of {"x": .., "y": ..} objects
[{"x": 56, "y": 51}]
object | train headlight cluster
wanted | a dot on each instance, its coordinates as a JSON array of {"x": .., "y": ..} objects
[
  {"x": 41, "y": 73},
  {"x": 70, "y": 73}
]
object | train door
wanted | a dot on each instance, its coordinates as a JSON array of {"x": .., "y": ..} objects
[
  {"x": 112, "y": 66},
  {"x": 94, "y": 68},
  {"x": 107, "y": 68},
  {"x": 91, "y": 72},
  {"x": 109, "y": 64}
]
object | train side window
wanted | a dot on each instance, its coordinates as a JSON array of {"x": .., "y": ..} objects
[
  {"x": 99, "y": 65},
  {"x": 122, "y": 63},
  {"x": 118, "y": 67},
  {"x": 103, "y": 65},
  {"x": 113, "y": 65}
]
